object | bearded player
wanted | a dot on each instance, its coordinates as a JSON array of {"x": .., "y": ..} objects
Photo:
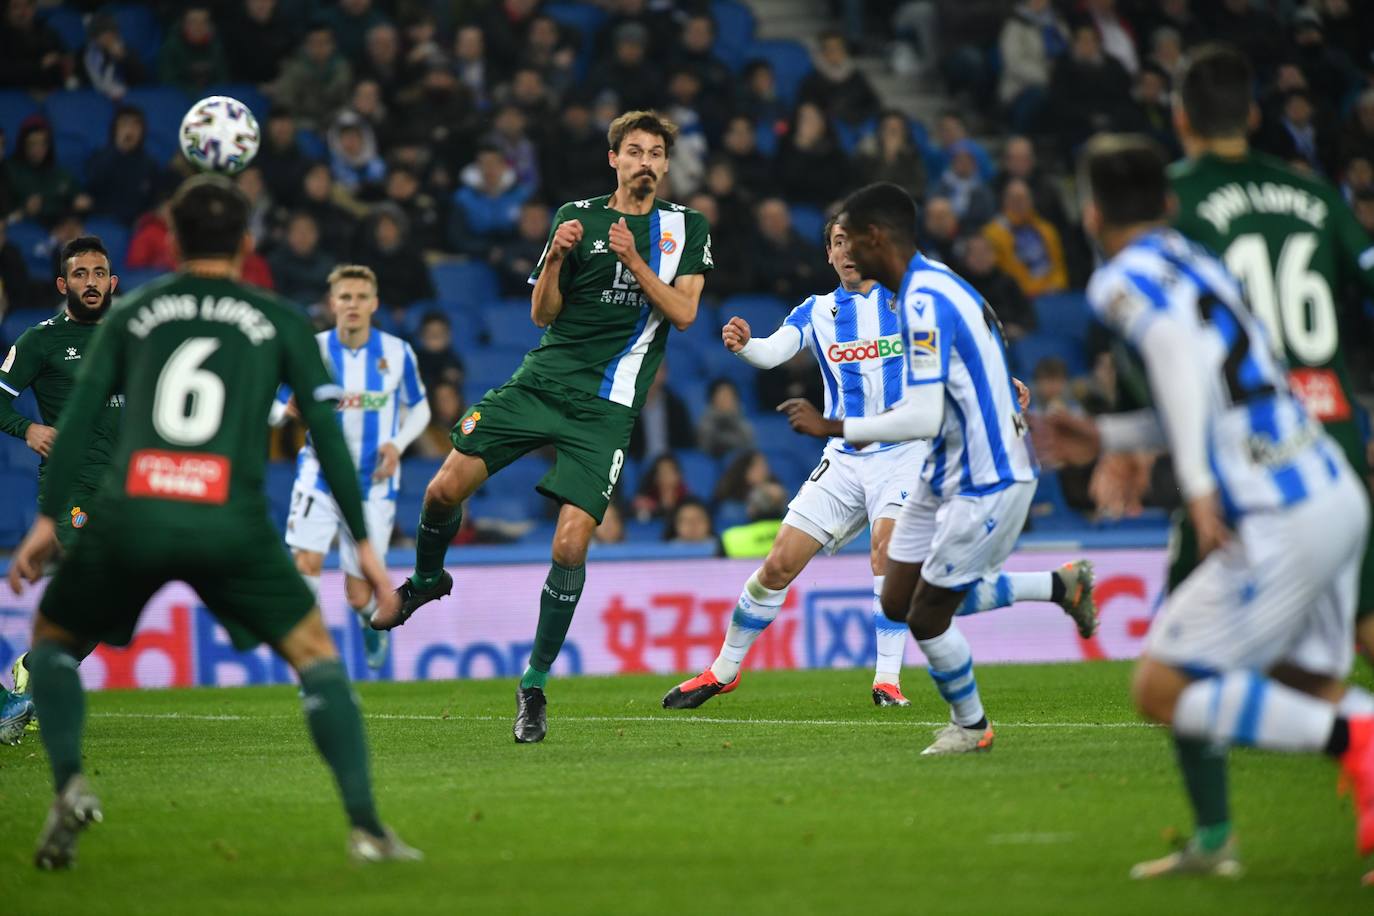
[
  {"x": 47, "y": 358},
  {"x": 618, "y": 273},
  {"x": 855, "y": 334}
]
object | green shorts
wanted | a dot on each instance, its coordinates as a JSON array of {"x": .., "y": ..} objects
[
  {"x": 75, "y": 517},
  {"x": 589, "y": 434},
  {"x": 238, "y": 566}
]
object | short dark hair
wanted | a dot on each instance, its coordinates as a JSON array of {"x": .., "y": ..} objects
[
  {"x": 883, "y": 204},
  {"x": 209, "y": 216},
  {"x": 1216, "y": 90},
  {"x": 648, "y": 121},
  {"x": 1125, "y": 173},
  {"x": 830, "y": 225},
  {"x": 82, "y": 244}
]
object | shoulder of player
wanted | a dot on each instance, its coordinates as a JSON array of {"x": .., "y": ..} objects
[
  {"x": 671, "y": 207},
  {"x": 580, "y": 209}
]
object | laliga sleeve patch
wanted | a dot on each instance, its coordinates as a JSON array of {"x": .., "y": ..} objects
[
  {"x": 925, "y": 349},
  {"x": 9, "y": 360}
]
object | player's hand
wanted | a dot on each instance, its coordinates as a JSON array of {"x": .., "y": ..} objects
[
  {"x": 370, "y": 565},
  {"x": 804, "y": 417},
  {"x": 1064, "y": 438},
  {"x": 387, "y": 460},
  {"x": 293, "y": 410},
  {"x": 623, "y": 243},
  {"x": 1212, "y": 533},
  {"x": 1023, "y": 395},
  {"x": 1118, "y": 485},
  {"x": 40, "y": 438},
  {"x": 735, "y": 334},
  {"x": 565, "y": 238},
  {"x": 32, "y": 556}
]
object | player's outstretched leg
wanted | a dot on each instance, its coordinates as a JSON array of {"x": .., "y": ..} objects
[
  {"x": 1070, "y": 586},
  {"x": 375, "y": 642},
  {"x": 16, "y": 711},
  {"x": 890, "y": 640}
]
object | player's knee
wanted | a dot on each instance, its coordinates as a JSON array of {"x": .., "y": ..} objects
[
  {"x": 877, "y": 558},
  {"x": 307, "y": 643},
  {"x": 443, "y": 491},
  {"x": 309, "y": 563},
  {"x": 570, "y": 546},
  {"x": 44, "y": 630},
  {"x": 777, "y": 572},
  {"x": 1150, "y": 693},
  {"x": 896, "y": 606}
]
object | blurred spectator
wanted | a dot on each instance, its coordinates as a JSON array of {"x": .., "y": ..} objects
[
  {"x": 420, "y": 40},
  {"x": 1152, "y": 109},
  {"x": 487, "y": 206},
  {"x": 964, "y": 187},
  {"x": 514, "y": 260},
  {"x": 732, "y": 273},
  {"x": 150, "y": 246},
  {"x": 732, "y": 201},
  {"x": 1358, "y": 139},
  {"x": 836, "y": 86},
  {"x": 470, "y": 64},
  {"x": 758, "y": 99},
  {"x": 315, "y": 82},
  {"x": 889, "y": 154},
  {"x": 382, "y": 63},
  {"x": 1364, "y": 209},
  {"x": 1330, "y": 73},
  {"x": 1118, "y": 38},
  {"x": 353, "y": 158},
  {"x": 42, "y": 188},
  {"x": 939, "y": 230},
  {"x": 951, "y": 132},
  {"x": 528, "y": 92},
  {"x": 690, "y": 148},
  {"x": 740, "y": 146},
  {"x": 260, "y": 204},
  {"x": 575, "y": 167},
  {"x": 435, "y": 358},
  {"x": 690, "y": 523},
  {"x": 350, "y": 21},
  {"x": 109, "y": 66},
  {"x": 402, "y": 276},
  {"x": 1298, "y": 136},
  {"x": 16, "y": 292},
  {"x": 257, "y": 38},
  {"x": 509, "y": 134},
  {"x": 438, "y": 113},
  {"x": 1357, "y": 176},
  {"x": 253, "y": 270},
  {"x": 192, "y": 56},
  {"x": 657, "y": 19},
  {"x": 660, "y": 489},
  {"x": 1089, "y": 90},
  {"x": 1350, "y": 27},
  {"x": 280, "y": 157},
  {"x": 67, "y": 227},
  {"x": 505, "y": 26},
  {"x": 122, "y": 178},
  {"x": 696, "y": 52},
  {"x": 612, "y": 527},
  {"x": 745, "y": 473},
  {"x": 31, "y": 54},
  {"x": 549, "y": 52},
  {"x": 723, "y": 427},
  {"x": 1166, "y": 51},
  {"x": 367, "y": 103},
  {"x": 299, "y": 266},
  {"x": 811, "y": 167},
  {"x": 1028, "y": 248},
  {"x": 628, "y": 71},
  {"x": 1176, "y": 16},
  {"x": 979, "y": 267},
  {"x": 1246, "y": 25},
  {"x": 664, "y": 423},
  {"x": 765, "y": 508},
  {"x": 404, "y": 190},
  {"x": 796, "y": 378},
  {"x": 785, "y": 264},
  {"x": 1019, "y": 161},
  {"x": 445, "y": 409},
  {"x": 320, "y": 201},
  {"x": 1050, "y": 387},
  {"x": 1032, "y": 38}
]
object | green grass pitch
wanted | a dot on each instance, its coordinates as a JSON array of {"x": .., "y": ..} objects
[{"x": 216, "y": 803}]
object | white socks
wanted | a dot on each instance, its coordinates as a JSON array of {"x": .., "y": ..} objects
[
  {"x": 1247, "y": 709},
  {"x": 756, "y": 609},
  {"x": 1004, "y": 589},
  {"x": 1356, "y": 702},
  {"x": 313, "y": 583},
  {"x": 950, "y": 662},
  {"x": 890, "y": 640},
  {"x": 367, "y": 610}
]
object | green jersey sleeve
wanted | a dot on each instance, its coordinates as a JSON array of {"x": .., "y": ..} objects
[
  {"x": 1353, "y": 244},
  {"x": 100, "y": 377},
  {"x": 696, "y": 259},
  {"x": 17, "y": 372},
  {"x": 565, "y": 213},
  {"x": 317, "y": 395}
]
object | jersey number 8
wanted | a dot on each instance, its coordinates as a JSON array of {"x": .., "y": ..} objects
[{"x": 189, "y": 402}]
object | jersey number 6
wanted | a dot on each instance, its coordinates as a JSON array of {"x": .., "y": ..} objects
[{"x": 189, "y": 402}]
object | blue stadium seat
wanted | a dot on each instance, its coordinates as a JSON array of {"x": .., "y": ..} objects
[
  {"x": 764, "y": 313},
  {"x": 32, "y": 240},
  {"x": 164, "y": 107},
  {"x": 629, "y": 480},
  {"x": 465, "y": 283},
  {"x": 15, "y": 106},
  {"x": 249, "y": 95},
  {"x": 488, "y": 367},
  {"x": 1027, "y": 352},
  {"x": 69, "y": 25},
  {"x": 16, "y": 455},
  {"x": 791, "y": 464},
  {"x": 416, "y": 474},
  {"x": 312, "y": 145},
  {"x": 766, "y": 139},
  {"x": 586, "y": 20},
  {"x": 699, "y": 471},
  {"x": 16, "y": 512},
  {"x": 81, "y": 120},
  {"x": 791, "y": 64},
  {"x": 508, "y": 325},
  {"x": 1064, "y": 313},
  {"x": 506, "y": 508},
  {"x": 414, "y": 314},
  {"x": 115, "y": 235},
  {"x": 1049, "y": 509},
  {"x": 730, "y": 513},
  {"x": 280, "y": 476},
  {"x": 772, "y": 429},
  {"x": 734, "y": 31},
  {"x": 720, "y": 363},
  {"x": 131, "y": 278},
  {"x": 850, "y": 135},
  {"x": 20, "y": 320},
  {"x": 408, "y": 506},
  {"x": 808, "y": 221},
  {"x": 638, "y": 532},
  {"x": 139, "y": 28}
]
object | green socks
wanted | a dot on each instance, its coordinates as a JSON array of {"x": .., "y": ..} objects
[
  {"x": 432, "y": 536},
  {"x": 336, "y": 725},
  {"x": 60, "y": 702},
  {"x": 557, "y": 603},
  {"x": 1204, "y": 775}
]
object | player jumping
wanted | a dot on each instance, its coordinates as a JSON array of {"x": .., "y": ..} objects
[
  {"x": 855, "y": 335},
  {"x": 199, "y": 357},
  {"x": 381, "y": 382},
  {"x": 47, "y": 358},
  {"x": 617, "y": 273},
  {"x": 1281, "y": 519},
  {"x": 968, "y": 506}
]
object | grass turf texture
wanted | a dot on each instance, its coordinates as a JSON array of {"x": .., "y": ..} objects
[{"x": 627, "y": 808}]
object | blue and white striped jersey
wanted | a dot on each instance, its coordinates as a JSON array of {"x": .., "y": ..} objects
[
  {"x": 950, "y": 338},
  {"x": 1264, "y": 450},
  {"x": 378, "y": 379},
  {"x": 857, "y": 341}
]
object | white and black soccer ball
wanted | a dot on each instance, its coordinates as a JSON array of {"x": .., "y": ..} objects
[{"x": 220, "y": 134}]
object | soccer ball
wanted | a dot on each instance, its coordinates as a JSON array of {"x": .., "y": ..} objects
[{"x": 219, "y": 134}]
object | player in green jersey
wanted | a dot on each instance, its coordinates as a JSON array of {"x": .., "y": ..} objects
[
  {"x": 199, "y": 357},
  {"x": 46, "y": 358},
  {"x": 617, "y": 273}
]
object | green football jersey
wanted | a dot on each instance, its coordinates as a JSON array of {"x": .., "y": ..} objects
[
  {"x": 1296, "y": 247},
  {"x": 46, "y": 358},
  {"x": 608, "y": 340},
  {"x": 199, "y": 361}
]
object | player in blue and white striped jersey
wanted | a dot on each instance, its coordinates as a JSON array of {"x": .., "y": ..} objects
[
  {"x": 1281, "y": 518},
  {"x": 855, "y": 334},
  {"x": 383, "y": 409}
]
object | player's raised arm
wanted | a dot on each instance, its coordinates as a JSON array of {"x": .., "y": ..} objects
[
  {"x": 17, "y": 372},
  {"x": 775, "y": 349},
  {"x": 546, "y": 301}
]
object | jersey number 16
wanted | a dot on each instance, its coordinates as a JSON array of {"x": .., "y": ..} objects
[{"x": 1294, "y": 302}]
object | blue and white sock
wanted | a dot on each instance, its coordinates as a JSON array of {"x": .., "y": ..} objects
[
  {"x": 1247, "y": 709},
  {"x": 1356, "y": 702},
  {"x": 756, "y": 609},
  {"x": 891, "y": 640},
  {"x": 367, "y": 610},
  {"x": 950, "y": 662},
  {"x": 1005, "y": 589}
]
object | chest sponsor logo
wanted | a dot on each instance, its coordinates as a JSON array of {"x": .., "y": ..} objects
[
  {"x": 193, "y": 477},
  {"x": 470, "y": 422},
  {"x": 364, "y": 400},
  {"x": 72, "y": 354},
  {"x": 859, "y": 351},
  {"x": 1320, "y": 392}
]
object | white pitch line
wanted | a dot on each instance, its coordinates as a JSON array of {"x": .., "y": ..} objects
[{"x": 704, "y": 720}]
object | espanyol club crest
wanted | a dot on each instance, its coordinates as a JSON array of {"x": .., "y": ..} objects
[
  {"x": 666, "y": 244},
  {"x": 79, "y": 518},
  {"x": 470, "y": 422}
]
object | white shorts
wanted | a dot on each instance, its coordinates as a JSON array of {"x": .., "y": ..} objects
[
  {"x": 1283, "y": 590},
  {"x": 315, "y": 519},
  {"x": 846, "y": 493},
  {"x": 960, "y": 540}
]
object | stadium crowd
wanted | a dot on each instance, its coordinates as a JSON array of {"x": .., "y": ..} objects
[{"x": 432, "y": 141}]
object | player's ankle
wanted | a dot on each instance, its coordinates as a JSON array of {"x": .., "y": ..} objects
[
  {"x": 425, "y": 580},
  {"x": 1212, "y": 837}
]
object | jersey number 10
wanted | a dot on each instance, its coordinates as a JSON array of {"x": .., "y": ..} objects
[{"x": 1294, "y": 302}]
